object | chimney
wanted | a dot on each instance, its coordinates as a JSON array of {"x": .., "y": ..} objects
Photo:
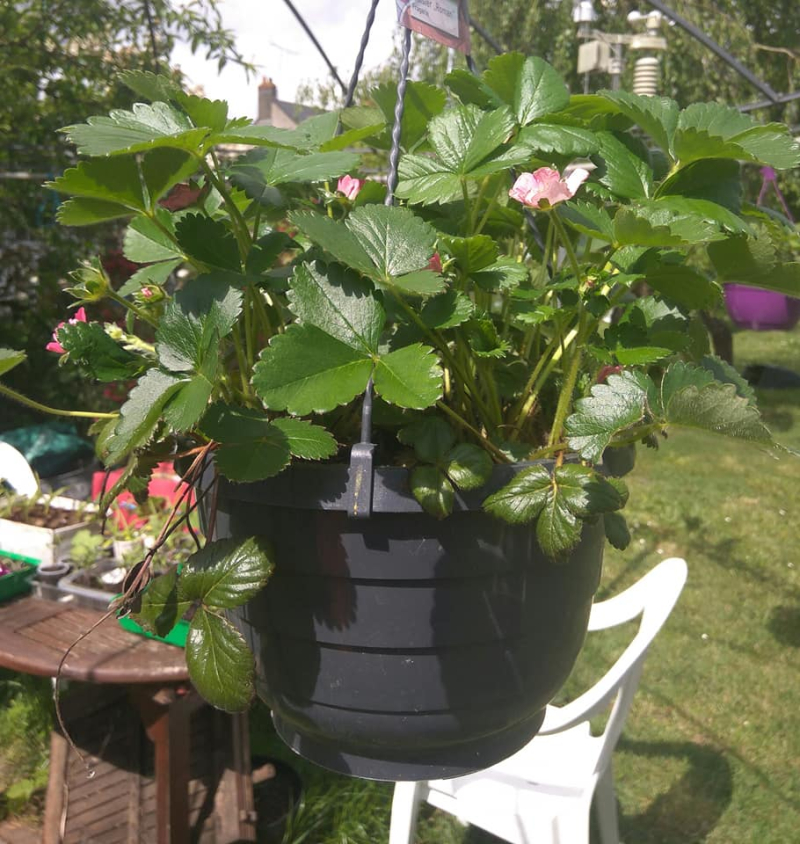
[{"x": 267, "y": 94}]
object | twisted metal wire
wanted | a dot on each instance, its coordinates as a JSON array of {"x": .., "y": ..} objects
[
  {"x": 351, "y": 88},
  {"x": 394, "y": 155}
]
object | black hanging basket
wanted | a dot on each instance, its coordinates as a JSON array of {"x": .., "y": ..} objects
[{"x": 399, "y": 647}]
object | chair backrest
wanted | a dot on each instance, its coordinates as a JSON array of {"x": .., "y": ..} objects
[
  {"x": 15, "y": 470},
  {"x": 652, "y": 598}
]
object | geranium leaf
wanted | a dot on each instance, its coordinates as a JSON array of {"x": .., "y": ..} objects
[
  {"x": 307, "y": 371},
  {"x": 339, "y": 303},
  {"x": 434, "y": 492},
  {"x": 220, "y": 664},
  {"x": 227, "y": 573},
  {"x": 611, "y": 407},
  {"x": 161, "y": 608},
  {"x": 145, "y": 127},
  {"x": 409, "y": 377},
  {"x": 208, "y": 241},
  {"x": 431, "y": 437},
  {"x": 468, "y": 466}
]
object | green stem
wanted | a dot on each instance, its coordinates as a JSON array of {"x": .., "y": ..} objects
[
  {"x": 43, "y": 408},
  {"x": 467, "y": 205},
  {"x": 568, "y": 388},
  {"x": 441, "y": 345},
  {"x": 131, "y": 307},
  {"x": 240, "y": 228},
  {"x": 243, "y": 370},
  {"x": 567, "y": 244},
  {"x": 487, "y": 444}
]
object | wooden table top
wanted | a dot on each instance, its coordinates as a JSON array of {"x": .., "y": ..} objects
[{"x": 35, "y": 634}]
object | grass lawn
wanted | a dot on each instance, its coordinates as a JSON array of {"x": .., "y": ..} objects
[{"x": 711, "y": 750}]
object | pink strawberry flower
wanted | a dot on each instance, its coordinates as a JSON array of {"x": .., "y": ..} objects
[
  {"x": 545, "y": 185},
  {"x": 54, "y": 345},
  {"x": 349, "y": 186},
  {"x": 435, "y": 263}
]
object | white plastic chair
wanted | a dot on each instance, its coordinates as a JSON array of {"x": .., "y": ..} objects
[
  {"x": 543, "y": 793},
  {"x": 15, "y": 470}
]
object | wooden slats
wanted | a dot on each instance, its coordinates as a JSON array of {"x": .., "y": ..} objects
[{"x": 35, "y": 634}]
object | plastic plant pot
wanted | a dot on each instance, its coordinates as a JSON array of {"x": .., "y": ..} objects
[{"x": 761, "y": 310}]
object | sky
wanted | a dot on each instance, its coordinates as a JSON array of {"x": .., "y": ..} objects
[{"x": 268, "y": 35}]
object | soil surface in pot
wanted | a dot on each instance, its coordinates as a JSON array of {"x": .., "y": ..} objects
[{"x": 46, "y": 517}]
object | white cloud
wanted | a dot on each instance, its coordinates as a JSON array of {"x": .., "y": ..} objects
[{"x": 268, "y": 35}]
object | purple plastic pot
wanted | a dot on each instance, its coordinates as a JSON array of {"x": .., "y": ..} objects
[{"x": 761, "y": 310}]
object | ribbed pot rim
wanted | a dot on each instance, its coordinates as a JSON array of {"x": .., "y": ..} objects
[{"x": 328, "y": 486}]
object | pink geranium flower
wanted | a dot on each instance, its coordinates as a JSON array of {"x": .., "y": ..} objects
[
  {"x": 349, "y": 186},
  {"x": 54, "y": 345},
  {"x": 546, "y": 185}
]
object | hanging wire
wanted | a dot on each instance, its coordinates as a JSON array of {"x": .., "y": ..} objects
[
  {"x": 151, "y": 27},
  {"x": 351, "y": 89},
  {"x": 361, "y": 454},
  {"x": 316, "y": 43},
  {"x": 399, "y": 106}
]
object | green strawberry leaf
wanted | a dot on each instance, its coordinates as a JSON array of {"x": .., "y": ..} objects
[
  {"x": 616, "y": 530},
  {"x": 9, "y": 358},
  {"x": 432, "y": 490},
  {"x": 468, "y": 466},
  {"x": 409, "y": 377},
  {"x": 431, "y": 437},
  {"x": 227, "y": 573},
  {"x": 161, "y": 608},
  {"x": 220, "y": 664}
]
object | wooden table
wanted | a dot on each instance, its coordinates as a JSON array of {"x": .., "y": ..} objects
[{"x": 35, "y": 634}]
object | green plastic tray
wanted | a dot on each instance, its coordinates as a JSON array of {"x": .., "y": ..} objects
[
  {"x": 177, "y": 636},
  {"x": 19, "y": 582}
]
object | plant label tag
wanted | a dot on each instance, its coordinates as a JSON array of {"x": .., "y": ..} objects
[{"x": 444, "y": 21}]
